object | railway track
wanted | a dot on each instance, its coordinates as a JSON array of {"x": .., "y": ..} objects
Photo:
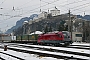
[
  {"x": 71, "y": 46},
  {"x": 49, "y": 51},
  {"x": 10, "y": 56},
  {"x": 2, "y": 58},
  {"x": 54, "y": 49},
  {"x": 80, "y": 47}
]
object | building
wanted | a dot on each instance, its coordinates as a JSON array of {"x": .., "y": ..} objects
[
  {"x": 55, "y": 12},
  {"x": 43, "y": 15},
  {"x": 77, "y": 36}
]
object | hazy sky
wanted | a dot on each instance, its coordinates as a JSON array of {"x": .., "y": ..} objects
[{"x": 13, "y": 10}]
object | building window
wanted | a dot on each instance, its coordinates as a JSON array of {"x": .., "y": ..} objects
[{"x": 78, "y": 35}]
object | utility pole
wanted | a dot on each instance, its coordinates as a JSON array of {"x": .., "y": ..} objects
[
  {"x": 70, "y": 27},
  {"x": 69, "y": 22}
]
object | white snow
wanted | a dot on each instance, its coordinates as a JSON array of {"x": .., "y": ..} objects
[
  {"x": 61, "y": 48},
  {"x": 80, "y": 46},
  {"x": 37, "y": 32},
  {"x": 77, "y": 43},
  {"x": 25, "y": 56},
  {"x": 54, "y": 53},
  {"x": 28, "y": 56}
]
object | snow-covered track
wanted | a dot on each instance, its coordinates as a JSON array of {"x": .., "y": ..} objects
[
  {"x": 71, "y": 46},
  {"x": 79, "y": 47},
  {"x": 61, "y": 49},
  {"x": 15, "y": 57},
  {"x": 58, "y": 52},
  {"x": 1, "y": 58}
]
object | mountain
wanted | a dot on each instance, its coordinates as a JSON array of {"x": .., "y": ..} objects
[
  {"x": 86, "y": 17},
  {"x": 52, "y": 23},
  {"x": 19, "y": 23}
]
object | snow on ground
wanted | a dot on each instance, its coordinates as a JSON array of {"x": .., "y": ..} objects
[
  {"x": 36, "y": 32},
  {"x": 61, "y": 48},
  {"x": 28, "y": 56},
  {"x": 82, "y": 43},
  {"x": 25, "y": 56},
  {"x": 54, "y": 53}
]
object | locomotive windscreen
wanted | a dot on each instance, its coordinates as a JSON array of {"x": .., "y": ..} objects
[{"x": 65, "y": 34}]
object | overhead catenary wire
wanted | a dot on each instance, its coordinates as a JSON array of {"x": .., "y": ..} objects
[
  {"x": 67, "y": 8},
  {"x": 2, "y": 2},
  {"x": 56, "y": 1},
  {"x": 30, "y": 11},
  {"x": 38, "y": 7},
  {"x": 87, "y": 5},
  {"x": 10, "y": 16},
  {"x": 79, "y": 7},
  {"x": 13, "y": 16},
  {"x": 72, "y": 3},
  {"x": 14, "y": 9},
  {"x": 51, "y": 3},
  {"x": 81, "y": 10},
  {"x": 34, "y": 9},
  {"x": 16, "y": 16}
]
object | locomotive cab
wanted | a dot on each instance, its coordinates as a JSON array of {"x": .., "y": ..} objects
[{"x": 67, "y": 38}]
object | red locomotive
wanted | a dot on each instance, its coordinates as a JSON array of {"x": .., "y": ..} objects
[{"x": 54, "y": 39}]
